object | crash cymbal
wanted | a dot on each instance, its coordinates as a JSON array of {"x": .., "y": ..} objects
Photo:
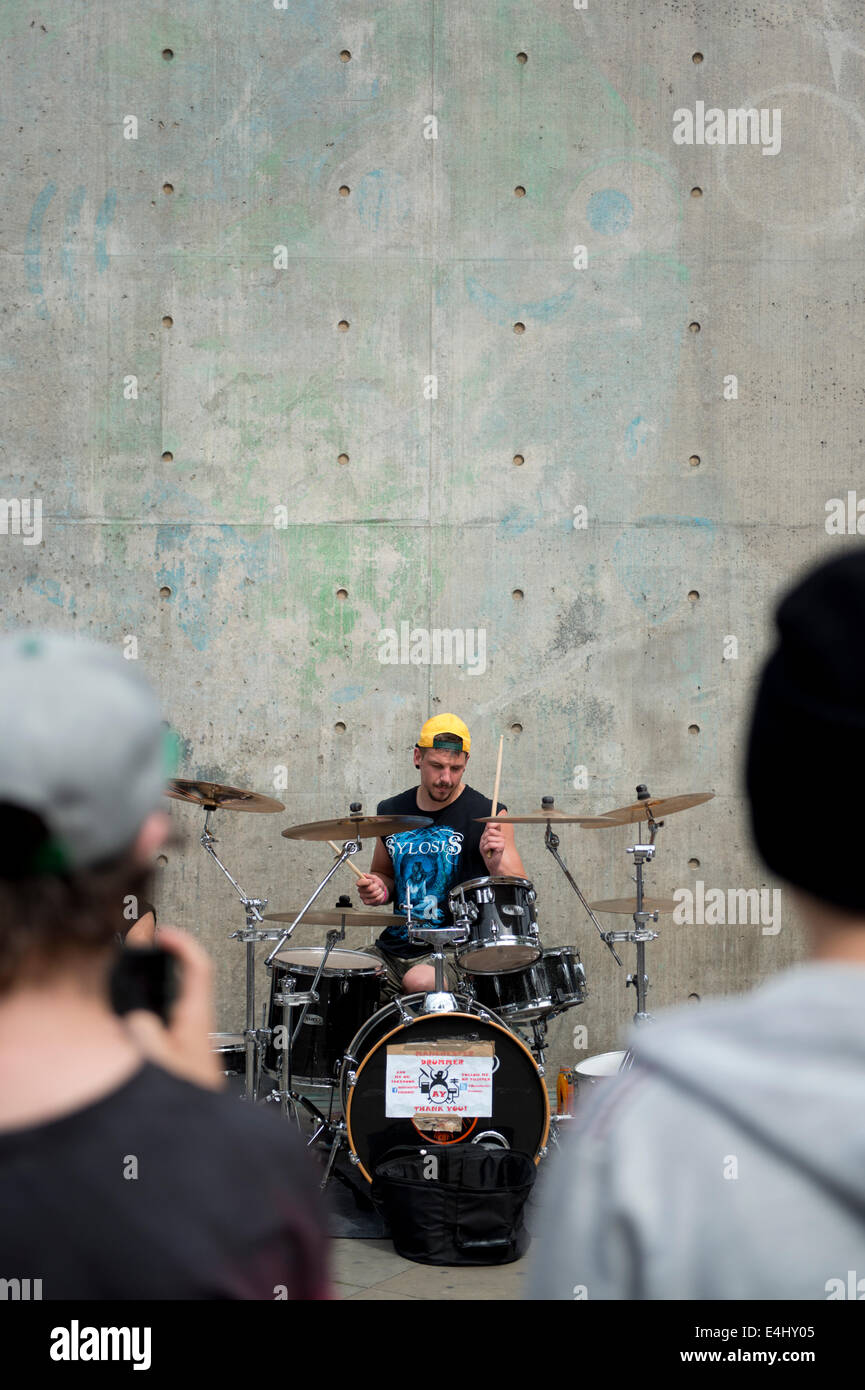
[
  {"x": 629, "y": 905},
  {"x": 355, "y": 827},
  {"x": 541, "y": 818},
  {"x": 336, "y": 917},
  {"x": 214, "y": 796},
  {"x": 660, "y": 806}
]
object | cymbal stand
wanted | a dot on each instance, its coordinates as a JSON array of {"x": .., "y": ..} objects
[
  {"x": 643, "y": 854},
  {"x": 551, "y": 840},
  {"x": 253, "y": 1038}
]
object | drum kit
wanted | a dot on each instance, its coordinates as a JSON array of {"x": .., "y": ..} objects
[{"x": 443, "y": 1067}]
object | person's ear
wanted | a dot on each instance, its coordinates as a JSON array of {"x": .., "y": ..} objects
[
  {"x": 151, "y": 837},
  {"x": 417, "y": 757}
]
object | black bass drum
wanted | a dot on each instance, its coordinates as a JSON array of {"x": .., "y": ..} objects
[{"x": 518, "y": 1110}]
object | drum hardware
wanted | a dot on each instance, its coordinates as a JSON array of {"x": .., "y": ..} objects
[
  {"x": 213, "y": 796},
  {"x": 551, "y": 840},
  {"x": 355, "y": 826},
  {"x": 650, "y": 808}
]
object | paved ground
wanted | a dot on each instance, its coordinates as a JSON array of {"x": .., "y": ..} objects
[{"x": 371, "y": 1269}]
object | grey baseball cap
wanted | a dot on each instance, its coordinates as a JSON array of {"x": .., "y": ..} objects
[{"x": 82, "y": 743}]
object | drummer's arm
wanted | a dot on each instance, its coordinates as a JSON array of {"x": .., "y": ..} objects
[
  {"x": 509, "y": 863},
  {"x": 382, "y": 866}
]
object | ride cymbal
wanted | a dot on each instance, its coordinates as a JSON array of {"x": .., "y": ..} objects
[
  {"x": 339, "y": 916},
  {"x": 355, "y": 827},
  {"x": 214, "y": 796},
  {"x": 654, "y": 808}
]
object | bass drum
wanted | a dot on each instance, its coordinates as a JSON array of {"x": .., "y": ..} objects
[{"x": 520, "y": 1117}]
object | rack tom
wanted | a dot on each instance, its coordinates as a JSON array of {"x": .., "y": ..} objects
[
  {"x": 348, "y": 992},
  {"x": 554, "y": 983},
  {"x": 499, "y": 915}
]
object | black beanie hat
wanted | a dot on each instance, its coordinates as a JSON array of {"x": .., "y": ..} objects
[{"x": 806, "y": 752}]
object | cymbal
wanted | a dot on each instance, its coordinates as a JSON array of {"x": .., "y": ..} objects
[
  {"x": 214, "y": 796},
  {"x": 336, "y": 916},
  {"x": 629, "y": 905},
  {"x": 541, "y": 818},
  {"x": 355, "y": 827},
  {"x": 659, "y": 806}
]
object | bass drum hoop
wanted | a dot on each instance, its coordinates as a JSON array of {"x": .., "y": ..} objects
[{"x": 499, "y": 1026}]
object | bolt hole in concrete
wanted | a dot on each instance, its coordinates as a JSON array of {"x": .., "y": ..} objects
[
  {"x": 345, "y": 56},
  {"x": 693, "y": 328},
  {"x": 168, "y": 54},
  {"x": 696, "y": 192},
  {"x": 167, "y": 457},
  {"x": 693, "y": 863},
  {"x": 693, "y": 595},
  {"x": 522, "y": 57},
  {"x": 519, "y": 191},
  {"x": 694, "y": 460},
  {"x": 162, "y": 860},
  {"x": 343, "y": 325},
  {"x": 168, "y": 188},
  {"x": 693, "y": 728},
  {"x": 165, "y": 592},
  {"x": 516, "y": 728},
  {"x": 519, "y": 460},
  {"x": 696, "y": 57},
  {"x": 344, "y": 190},
  {"x": 167, "y": 321},
  {"x": 342, "y": 593},
  {"x": 519, "y": 328},
  {"x": 517, "y": 594},
  {"x": 340, "y": 727},
  {"x": 343, "y": 458}
]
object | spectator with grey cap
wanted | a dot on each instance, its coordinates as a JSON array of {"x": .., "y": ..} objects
[
  {"x": 124, "y": 1173},
  {"x": 729, "y": 1162}
]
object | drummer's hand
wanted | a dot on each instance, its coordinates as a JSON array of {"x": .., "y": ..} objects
[
  {"x": 182, "y": 1046},
  {"x": 492, "y": 845},
  {"x": 373, "y": 890}
]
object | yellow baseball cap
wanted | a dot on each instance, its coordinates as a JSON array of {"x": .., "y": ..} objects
[{"x": 447, "y": 732}]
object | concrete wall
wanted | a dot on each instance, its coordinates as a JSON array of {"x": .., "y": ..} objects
[{"x": 606, "y": 645}]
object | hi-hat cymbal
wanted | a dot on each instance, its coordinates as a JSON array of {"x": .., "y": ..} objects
[
  {"x": 337, "y": 917},
  {"x": 629, "y": 905},
  {"x": 659, "y": 806},
  {"x": 355, "y": 827},
  {"x": 541, "y": 818},
  {"x": 214, "y": 796}
]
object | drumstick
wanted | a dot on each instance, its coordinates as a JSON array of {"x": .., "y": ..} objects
[
  {"x": 353, "y": 867},
  {"x": 498, "y": 777}
]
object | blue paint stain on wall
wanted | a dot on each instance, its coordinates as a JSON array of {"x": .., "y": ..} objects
[
  {"x": 203, "y": 564},
  {"x": 609, "y": 211},
  {"x": 48, "y": 589},
  {"x": 634, "y": 436},
  {"x": 372, "y": 198},
  {"x": 658, "y": 558},
  {"x": 104, "y": 218},
  {"x": 515, "y": 522},
  {"x": 70, "y": 233},
  {"x": 505, "y": 311},
  {"x": 347, "y": 693},
  {"x": 33, "y": 248}
]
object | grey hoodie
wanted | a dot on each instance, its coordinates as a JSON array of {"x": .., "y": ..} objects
[{"x": 728, "y": 1163}]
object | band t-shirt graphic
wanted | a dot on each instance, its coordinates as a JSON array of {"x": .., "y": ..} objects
[{"x": 429, "y": 861}]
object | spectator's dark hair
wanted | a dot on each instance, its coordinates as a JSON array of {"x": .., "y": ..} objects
[{"x": 49, "y": 914}]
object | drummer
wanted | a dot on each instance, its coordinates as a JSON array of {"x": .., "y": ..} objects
[{"x": 425, "y": 864}]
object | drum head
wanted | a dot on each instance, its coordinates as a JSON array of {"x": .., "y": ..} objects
[
  {"x": 605, "y": 1064},
  {"x": 308, "y": 959},
  {"x": 520, "y": 1110},
  {"x": 498, "y": 959}
]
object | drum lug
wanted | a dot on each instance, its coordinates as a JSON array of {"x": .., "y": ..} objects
[
  {"x": 352, "y": 1077},
  {"x": 353, "y": 1158},
  {"x": 542, "y": 1153},
  {"x": 542, "y": 1071}
]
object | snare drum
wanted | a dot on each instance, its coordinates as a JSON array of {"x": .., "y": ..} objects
[
  {"x": 596, "y": 1069},
  {"x": 499, "y": 915},
  {"x": 519, "y": 1111},
  {"x": 348, "y": 992},
  {"x": 554, "y": 983}
]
